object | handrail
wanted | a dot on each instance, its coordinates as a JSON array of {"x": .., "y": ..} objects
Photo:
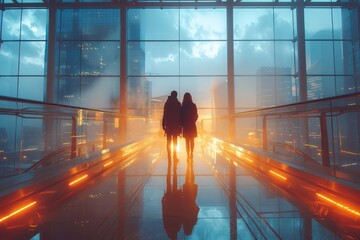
[
  {"x": 299, "y": 152},
  {"x": 298, "y": 104},
  {"x": 27, "y": 101},
  {"x": 47, "y": 158}
]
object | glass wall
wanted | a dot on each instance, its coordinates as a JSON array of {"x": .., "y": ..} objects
[
  {"x": 87, "y": 57},
  {"x": 279, "y": 51},
  {"x": 176, "y": 49},
  {"x": 22, "y": 53}
]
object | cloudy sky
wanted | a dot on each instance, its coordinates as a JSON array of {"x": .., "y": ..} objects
[{"x": 196, "y": 63}]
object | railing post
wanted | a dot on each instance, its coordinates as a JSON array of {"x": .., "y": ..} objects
[
  {"x": 73, "y": 138},
  {"x": 325, "y": 156},
  {"x": 105, "y": 132},
  {"x": 265, "y": 142}
]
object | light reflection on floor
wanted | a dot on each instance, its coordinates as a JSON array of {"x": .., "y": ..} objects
[{"x": 130, "y": 205}]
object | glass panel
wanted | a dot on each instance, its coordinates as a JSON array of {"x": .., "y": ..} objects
[
  {"x": 9, "y": 58},
  {"x": 90, "y": 24},
  {"x": 158, "y": 58},
  {"x": 108, "y": 88},
  {"x": 320, "y": 58},
  {"x": 139, "y": 94},
  {"x": 283, "y": 27},
  {"x": 100, "y": 58},
  {"x": 7, "y": 144},
  {"x": 160, "y": 87},
  {"x": 70, "y": 57},
  {"x": 265, "y": 89},
  {"x": 323, "y": 28},
  {"x": 202, "y": 24},
  {"x": 245, "y": 93},
  {"x": 32, "y": 88},
  {"x": 344, "y": 56},
  {"x": 32, "y": 58},
  {"x": 32, "y": 1},
  {"x": 8, "y": 86},
  {"x": 203, "y": 58},
  {"x": 11, "y": 25},
  {"x": 253, "y": 23},
  {"x": 345, "y": 85},
  {"x": 251, "y": 56},
  {"x": 69, "y": 91},
  {"x": 285, "y": 90},
  {"x": 284, "y": 58},
  {"x": 320, "y": 87},
  {"x": 153, "y": 24},
  {"x": 342, "y": 23},
  {"x": 205, "y": 91},
  {"x": 34, "y": 24}
]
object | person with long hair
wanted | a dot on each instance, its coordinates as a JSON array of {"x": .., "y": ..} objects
[{"x": 189, "y": 117}]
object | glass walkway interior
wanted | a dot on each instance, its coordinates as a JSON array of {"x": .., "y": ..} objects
[
  {"x": 82, "y": 90},
  {"x": 102, "y": 190}
]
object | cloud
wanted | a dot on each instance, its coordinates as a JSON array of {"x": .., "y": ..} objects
[{"x": 170, "y": 58}]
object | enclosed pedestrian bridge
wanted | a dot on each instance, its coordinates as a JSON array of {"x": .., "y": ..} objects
[
  {"x": 82, "y": 90},
  {"x": 259, "y": 174}
]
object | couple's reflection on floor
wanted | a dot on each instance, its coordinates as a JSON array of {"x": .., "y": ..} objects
[{"x": 179, "y": 206}]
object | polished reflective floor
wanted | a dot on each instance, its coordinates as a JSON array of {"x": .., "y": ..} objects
[{"x": 206, "y": 198}]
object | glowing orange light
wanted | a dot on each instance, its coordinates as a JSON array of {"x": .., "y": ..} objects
[
  {"x": 339, "y": 205},
  {"x": 109, "y": 163},
  {"x": 17, "y": 211},
  {"x": 248, "y": 159},
  {"x": 278, "y": 175},
  {"x": 78, "y": 179}
]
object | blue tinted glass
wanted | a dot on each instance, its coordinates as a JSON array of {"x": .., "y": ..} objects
[
  {"x": 69, "y": 90},
  {"x": 320, "y": 57},
  {"x": 34, "y": 24},
  {"x": 320, "y": 87},
  {"x": 343, "y": 25},
  {"x": 9, "y": 58},
  {"x": 8, "y": 86},
  {"x": 283, "y": 23},
  {"x": 318, "y": 23},
  {"x": 284, "y": 57},
  {"x": 202, "y": 24},
  {"x": 251, "y": 56},
  {"x": 250, "y": 23},
  {"x": 106, "y": 87},
  {"x": 344, "y": 55},
  {"x": 32, "y": 58},
  {"x": 153, "y": 24},
  {"x": 32, "y": 88},
  {"x": 99, "y": 58},
  {"x": 11, "y": 25},
  {"x": 70, "y": 58},
  {"x": 90, "y": 24},
  {"x": 203, "y": 58},
  {"x": 153, "y": 58}
]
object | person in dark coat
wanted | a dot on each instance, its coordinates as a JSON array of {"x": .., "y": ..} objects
[
  {"x": 189, "y": 117},
  {"x": 171, "y": 123}
]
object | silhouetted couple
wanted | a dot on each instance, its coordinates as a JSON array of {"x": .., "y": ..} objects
[
  {"x": 179, "y": 206},
  {"x": 180, "y": 118}
]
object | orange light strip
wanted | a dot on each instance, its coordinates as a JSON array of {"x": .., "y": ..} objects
[
  {"x": 338, "y": 204},
  {"x": 248, "y": 159},
  {"x": 278, "y": 175},
  {"x": 17, "y": 211},
  {"x": 109, "y": 163},
  {"x": 78, "y": 179}
]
